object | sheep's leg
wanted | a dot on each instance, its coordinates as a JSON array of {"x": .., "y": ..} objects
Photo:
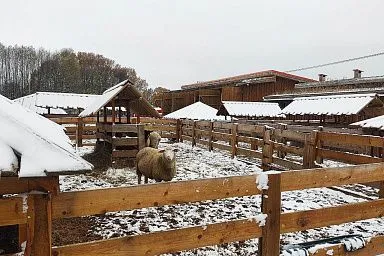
[
  {"x": 139, "y": 178},
  {"x": 145, "y": 179}
]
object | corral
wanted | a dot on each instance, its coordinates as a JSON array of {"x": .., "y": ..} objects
[{"x": 254, "y": 146}]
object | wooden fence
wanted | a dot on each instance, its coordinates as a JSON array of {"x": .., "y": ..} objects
[{"x": 43, "y": 208}]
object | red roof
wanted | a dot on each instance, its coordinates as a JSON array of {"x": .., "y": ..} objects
[{"x": 239, "y": 78}]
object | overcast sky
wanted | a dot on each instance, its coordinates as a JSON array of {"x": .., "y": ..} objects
[{"x": 171, "y": 43}]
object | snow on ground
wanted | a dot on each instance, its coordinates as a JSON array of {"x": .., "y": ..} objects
[{"x": 198, "y": 163}]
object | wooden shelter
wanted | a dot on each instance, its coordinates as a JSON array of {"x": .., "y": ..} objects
[
  {"x": 125, "y": 139},
  {"x": 248, "y": 87}
]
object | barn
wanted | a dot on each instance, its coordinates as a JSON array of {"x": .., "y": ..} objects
[{"x": 248, "y": 87}]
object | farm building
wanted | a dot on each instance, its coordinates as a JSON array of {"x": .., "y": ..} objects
[
  {"x": 54, "y": 103},
  {"x": 249, "y": 110},
  {"x": 124, "y": 139},
  {"x": 34, "y": 152},
  {"x": 248, "y": 87},
  {"x": 197, "y": 110},
  {"x": 355, "y": 85},
  {"x": 373, "y": 126},
  {"x": 344, "y": 108}
]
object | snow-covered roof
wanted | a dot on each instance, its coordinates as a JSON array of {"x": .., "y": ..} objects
[
  {"x": 347, "y": 104},
  {"x": 375, "y": 122},
  {"x": 256, "y": 109},
  {"x": 42, "y": 146},
  {"x": 39, "y": 102},
  {"x": 137, "y": 103},
  {"x": 197, "y": 110}
]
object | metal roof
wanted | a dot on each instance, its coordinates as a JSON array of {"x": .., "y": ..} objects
[
  {"x": 347, "y": 104},
  {"x": 251, "y": 109}
]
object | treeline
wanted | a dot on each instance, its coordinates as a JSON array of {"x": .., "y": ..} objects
[{"x": 25, "y": 70}]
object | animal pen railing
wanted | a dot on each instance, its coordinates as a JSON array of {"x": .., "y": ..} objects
[{"x": 44, "y": 207}]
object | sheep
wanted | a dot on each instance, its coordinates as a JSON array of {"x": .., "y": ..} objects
[
  {"x": 153, "y": 140},
  {"x": 156, "y": 164}
]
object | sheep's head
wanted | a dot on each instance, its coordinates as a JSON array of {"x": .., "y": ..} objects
[{"x": 168, "y": 154}]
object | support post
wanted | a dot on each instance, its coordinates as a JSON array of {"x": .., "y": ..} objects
[
  {"x": 181, "y": 130},
  {"x": 210, "y": 142},
  {"x": 267, "y": 150},
  {"x": 269, "y": 243},
  {"x": 141, "y": 136},
  {"x": 79, "y": 132},
  {"x": 178, "y": 130},
  {"x": 319, "y": 144},
  {"x": 282, "y": 140},
  {"x": 193, "y": 133},
  {"x": 113, "y": 111},
  {"x": 234, "y": 140},
  {"x": 309, "y": 156},
  {"x": 42, "y": 235},
  {"x": 105, "y": 114}
]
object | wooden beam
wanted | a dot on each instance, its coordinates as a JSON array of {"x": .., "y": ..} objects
[
  {"x": 167, "y": 241},
  {"x": 303, "y": 220},
  {"x": 12, "y": 211},
  {"x": 327, "y": 177},
  {"x": 80, "y": 203},
  {"x": 346, "y": 157},
  {"x": 269, "y": 242},
  {"x": 42, "y": 242},
  {"x": 352, "y": 139}
]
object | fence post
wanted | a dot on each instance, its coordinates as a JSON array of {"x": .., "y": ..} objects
[
  {"x": 309, "y": 156},
  {"x": 140, "y": 136},
  {"x": 79, "y": 132},
  {"x": 210, "y": 141},
  {"x": 282, "y": 140},
  {"x": 42, "y": 237},
  {"x": 319, "y": 144},
  {"x": 269, "y": 242},
  {"x": 193, "y": 133},
  {"x": 178, "y": 128},
  {"x": 181, "y": 131},
  {"x": 267, "y": 150},
  {"x": 234, "y": 140}
]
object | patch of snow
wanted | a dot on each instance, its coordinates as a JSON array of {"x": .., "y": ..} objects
[
  {"x": 262, "y": 181},
  {"x": 329, "y": 252}
]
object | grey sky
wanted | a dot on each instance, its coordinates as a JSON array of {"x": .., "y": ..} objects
[{"x": 171, "y": 43}]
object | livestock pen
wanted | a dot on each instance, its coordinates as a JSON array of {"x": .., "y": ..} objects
[{"x": 271, "y": 146}]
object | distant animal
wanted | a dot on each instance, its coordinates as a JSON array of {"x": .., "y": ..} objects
[
  {"x": 153, "y": 140},
  {"x": 156, "y": 164}
]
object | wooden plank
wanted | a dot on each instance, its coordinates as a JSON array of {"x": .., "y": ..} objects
[
  {"x": 374, "y": 246},
  {"x": 221, "y": 136},
  {"x": 286, "y": 163},
  {"x": 124, "y": 128},
  {"x": 89, "y": 136},
  {"x": 234, "y": 140},
  {"x": 15, "y": 185},
  {"x": 327, "y": 177},
  {"x": 221, "y": 146},
  {"x": 186, "y": 137},
  {"x": 288, "y": 149},
  {"x": 352, "y": 139},
  {"x": 160, "y": 128},
  {"x": 269, "y": 243},
  {"x": 267, "y": 151},
  {"x": 167, "y": 241},
  {"x": 125, "y": 153},
  {"x": 205, "y": 133},
  {"x": 12, "y": 211},
  {"x": 81, "y": 203},
  {"x": 250, "y": 140},
  {"x": 42, "y": 243},
  {"x": 290, "y": 135},
  {"x": 346, "y": 157},
  {"x": 303, "y": 220},
  {"x": 249, "y": 152},
  {"x": 204, "y": 124},
  {"x": 127, "y": 141}
]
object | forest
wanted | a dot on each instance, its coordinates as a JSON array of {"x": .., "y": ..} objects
[{"x": 25, "y": 70}]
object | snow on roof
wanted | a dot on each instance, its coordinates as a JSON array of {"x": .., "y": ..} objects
[
  {"x": 257, "y": 109},
  {"x": 375, "y": 122},
  {"x": 42, "y": 145},
  {"x": 347, "y": 104},
  {"x": 197, "y": 110},
  {"x": 41, "y": 101},
  {"x": 137, "y": 103}
]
